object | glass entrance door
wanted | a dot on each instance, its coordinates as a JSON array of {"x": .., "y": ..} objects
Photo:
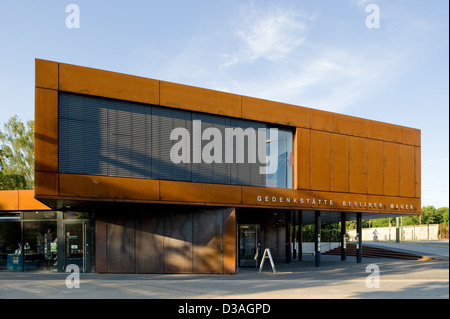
[
  {"x": 249, "y": 245},
  {"x": 77, "y": 244}
]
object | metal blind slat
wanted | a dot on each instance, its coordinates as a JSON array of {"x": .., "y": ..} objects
[{"x": 115, "y": 138}]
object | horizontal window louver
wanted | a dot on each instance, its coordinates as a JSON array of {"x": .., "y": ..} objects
[
  {"x": 164, "y": 120},
  {"x": 99, "y": 136}
]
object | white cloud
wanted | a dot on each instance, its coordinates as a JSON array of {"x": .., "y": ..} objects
[
  {"x": 362, "y": 3},
  {"x": 270, "y": 33},
  {"x": 274, "y": 59},
  {"x": 275, "y": 53},
  {"x": 320, "y": 76}
]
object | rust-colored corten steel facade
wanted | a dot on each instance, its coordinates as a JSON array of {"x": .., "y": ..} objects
[
  {"x": 20, "y": 200},
  {"x": 340, "y": 164}
]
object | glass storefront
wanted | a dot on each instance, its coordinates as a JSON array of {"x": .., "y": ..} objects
[
  {"x": 10, "y": 242},
  {"x": 45, "y": 240},
  {"x": 40, "y": 245},
  {"x": 249, "y": 245}
]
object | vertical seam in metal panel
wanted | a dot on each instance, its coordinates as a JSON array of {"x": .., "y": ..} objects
[
  {"x": 57, "y": 126},
  {"x": 242, "y": 195},
  {"x": 163, "y": 216},
  {"x": 383, "y": 164},
  {"x": 220, "y": 237},
  {"x": 348, "y": 164},
  {"x": 329, "y": 162},
  {"x": 107, "y": 142},
  {"x": 159, "y": 190},
  {"x": 134, "y": 241},
  {"x": 106, "y": 242},
  {"x": 241, "y": 104},
  {"x": 310, "y": 152},
  {"x": 295, "y": 181},
  {"x": 191, "y": 212},
  {"x": 159, "y": 92},
  {"x": 415, "y": 173},
  {"x": 366, "y": 168},
  {"x": 399, "y": 171},
  {"x": 400, "y": 177}
]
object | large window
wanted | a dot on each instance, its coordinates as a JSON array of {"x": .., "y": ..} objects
[
  {"x": 10, "y": 241},
  {"x": 282, "y": 178},
  {"x": 99, "y": 136},
  {"x": 29, "y": 240}
]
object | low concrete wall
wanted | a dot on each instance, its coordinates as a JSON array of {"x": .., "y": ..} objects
[
  {"x": 413, "y": 232},
  {"x": 308, "y": 248}
]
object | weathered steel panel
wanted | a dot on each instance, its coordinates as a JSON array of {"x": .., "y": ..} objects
[
  {"x": 120, "y": 249},
  {"x": 149, "y": 242},
  {"x": 178, "y": 252},
  {"x": 208, "y": 240}
]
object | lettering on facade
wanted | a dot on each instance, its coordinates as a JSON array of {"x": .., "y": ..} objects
[
  {"x": 293, "y": 200},
  {"x": 315, "y": 202}
]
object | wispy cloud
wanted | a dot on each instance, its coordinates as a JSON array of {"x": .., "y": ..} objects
[
  {"x": 274, "y": 52},
  {"x": 362, "y": 3},
  {"x": 329, "y": 77},
  {"x": 282, "y": 60},
  {"x": 268, "y": 33}
]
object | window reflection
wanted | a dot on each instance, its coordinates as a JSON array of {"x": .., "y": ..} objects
[
  {"x": 282, "y": 178},
  {"x": 76, "y": 215},
  {"x": 30, "y": 215},
  {"x": 10, "y": 243},
  {"x": 40, "y": 245},
  {"x": 28, "y": 244},
  {"x": 28, "y": 240}
]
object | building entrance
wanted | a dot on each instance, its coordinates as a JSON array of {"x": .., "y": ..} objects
[
  {"x": 249, "y": 245},
  {"x": 77, "y": 244}
]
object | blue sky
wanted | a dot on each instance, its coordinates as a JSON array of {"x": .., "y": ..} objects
[{"x": 318, "y": 54}]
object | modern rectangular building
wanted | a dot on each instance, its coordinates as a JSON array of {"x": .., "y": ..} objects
[{"x": 169, "y": 178}]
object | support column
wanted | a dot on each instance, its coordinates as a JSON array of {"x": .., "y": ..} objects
[
  {"x": 300, "y": 235},
  {"x": 343, "y": 240},
  {"x": 359, "y": 237},
  {"x": 288, "y": 236},
  {"x": 317, "y": 238},
  {"x": 294, "y": 237}
]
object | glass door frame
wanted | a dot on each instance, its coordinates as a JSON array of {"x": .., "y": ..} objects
[
  {"x": 257, "y": 256},
  {"x": 86, "y": 240}
]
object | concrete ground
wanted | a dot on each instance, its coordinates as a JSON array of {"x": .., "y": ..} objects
[
  {"x": 431, "y": 248},
  {"x": 374, "y": 278}
]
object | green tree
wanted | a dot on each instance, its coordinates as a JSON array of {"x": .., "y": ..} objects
[
  {"x": 411, "y": 220},
  {"x": 430, "y": 215},
  {"x": 379, "y": 222},
  {"x": 17, "y": 155},
  {"x": 443, "y": 212}
]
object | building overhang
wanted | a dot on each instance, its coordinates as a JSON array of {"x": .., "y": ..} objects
[{"x": 341, "y": 163}]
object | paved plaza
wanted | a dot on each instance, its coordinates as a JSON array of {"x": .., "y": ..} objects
[{"x": 374, "y": 278}]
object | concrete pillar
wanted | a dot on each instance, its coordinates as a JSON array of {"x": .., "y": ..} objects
[
  {"x": 294, "y": 234},
  {"x": 300, "y": 235},
  {"x": 359, "y": 237},
  {"x": 288, "y": 236},
  {"x": 317, "y": 238},
  {"x": 343, "y": 240}
]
